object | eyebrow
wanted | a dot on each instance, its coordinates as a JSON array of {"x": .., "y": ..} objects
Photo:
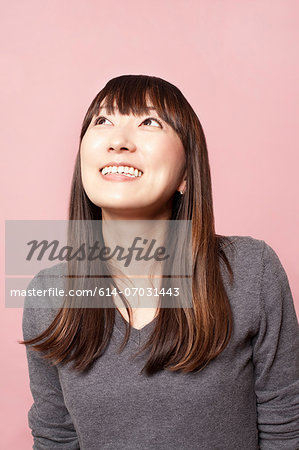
[{"x": 148, "y": 108}]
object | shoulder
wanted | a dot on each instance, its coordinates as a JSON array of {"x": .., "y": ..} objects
[
  {"x": 55, "y": 271},
  {"x": 260, "y": 283},
  {"x": 259, "y": 275},
  {"x": 49, "y": 275},
  {"x": 248, "y": 254},
  {"x": 245, "y": 255},
  {"x": 241, "y": 245},
  {"x": 41, "y": 303}
]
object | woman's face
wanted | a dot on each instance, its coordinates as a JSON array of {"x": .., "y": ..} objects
[{"x": 144, "y": 142}]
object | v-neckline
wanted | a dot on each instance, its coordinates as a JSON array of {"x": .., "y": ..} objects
[{"x": 137, "y": 335}]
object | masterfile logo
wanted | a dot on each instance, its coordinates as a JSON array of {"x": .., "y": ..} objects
[{"x": 80, "y": 257}]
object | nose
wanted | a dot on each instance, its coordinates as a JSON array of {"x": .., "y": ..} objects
[{"x": 120, "y": 142}]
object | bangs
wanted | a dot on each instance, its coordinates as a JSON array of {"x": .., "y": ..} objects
[{"x": 140, "y": 94}]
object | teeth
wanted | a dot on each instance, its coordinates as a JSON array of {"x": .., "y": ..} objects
[{"x": 129, "y": 171}]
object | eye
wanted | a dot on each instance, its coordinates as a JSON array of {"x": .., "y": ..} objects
[
  {"x": 98, "y": 120},
  {"x": 153, "y": 118}
]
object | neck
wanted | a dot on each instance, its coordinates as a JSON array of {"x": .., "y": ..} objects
[{"x": 134, "y": 244}]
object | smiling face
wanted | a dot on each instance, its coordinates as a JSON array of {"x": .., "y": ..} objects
[{"x": 145, "y": 142}]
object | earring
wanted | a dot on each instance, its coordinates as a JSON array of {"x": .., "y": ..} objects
[{"x": 181, "y": 192}]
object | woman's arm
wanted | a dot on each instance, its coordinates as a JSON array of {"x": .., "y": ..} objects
[
  {"x": 276, "y": 359},
  {"x": 48, "y": 417}
]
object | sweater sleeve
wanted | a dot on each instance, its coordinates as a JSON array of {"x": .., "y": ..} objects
[
  {"x": 276, "y": 359},
  {"x": 48, "y": 417}
]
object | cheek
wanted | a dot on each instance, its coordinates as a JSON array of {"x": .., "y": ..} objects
[
  {"x": 88, "y": 170},
  {"x": 90, "y": 151},
  {"x": 88, "y": 158},
  {"x": 172, "y": 158},
  {"x": 165, "y": 150}
]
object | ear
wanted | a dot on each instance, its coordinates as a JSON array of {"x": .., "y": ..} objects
[{"x": 183, "y": 183}]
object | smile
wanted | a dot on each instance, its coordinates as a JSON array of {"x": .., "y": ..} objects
[
  {"x": 124, "y": 170},
  {"x": 121, "y": 173}
]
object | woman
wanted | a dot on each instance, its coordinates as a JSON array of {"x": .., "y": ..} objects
[{"x": 221, "y": 373}]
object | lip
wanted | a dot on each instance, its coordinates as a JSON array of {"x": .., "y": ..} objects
[
  {"x": 118, "y": 177},
  {"x": 120, "y": 163}
]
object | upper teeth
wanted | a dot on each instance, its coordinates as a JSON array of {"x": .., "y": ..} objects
[{"x": 122, "y": 169}]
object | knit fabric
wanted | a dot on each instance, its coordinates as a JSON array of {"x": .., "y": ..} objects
[{"x": 245, "y": 399}]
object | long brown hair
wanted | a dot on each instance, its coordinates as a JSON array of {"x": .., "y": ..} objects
[{"x": 184, "y": 339}]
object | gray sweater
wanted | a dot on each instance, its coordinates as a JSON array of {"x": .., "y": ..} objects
[{"x": 245, "y": 399}]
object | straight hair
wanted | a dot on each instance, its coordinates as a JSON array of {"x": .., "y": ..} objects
[{"x": 183, "y": 339}]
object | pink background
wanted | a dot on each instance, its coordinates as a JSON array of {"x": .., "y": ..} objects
[{"x": 235, "y": 61}]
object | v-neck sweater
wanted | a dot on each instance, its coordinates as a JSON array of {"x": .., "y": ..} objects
[{"x": 247, "y": 398}]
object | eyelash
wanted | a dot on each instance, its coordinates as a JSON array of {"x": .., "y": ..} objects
[{"x": 148, "y": 118}]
